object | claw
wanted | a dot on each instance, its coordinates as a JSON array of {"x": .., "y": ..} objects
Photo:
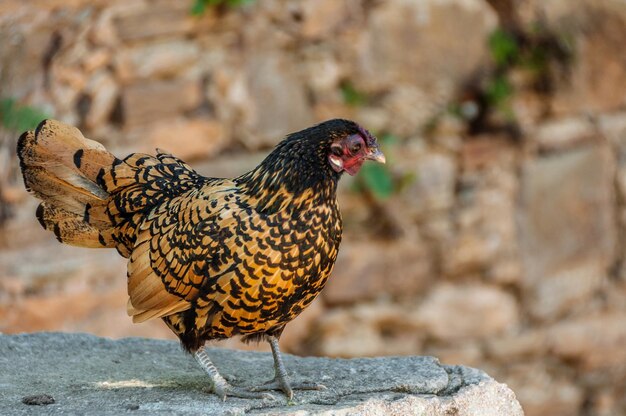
[
  {"x": 287, "y": 387},
  {"x": 280, "y": 380},
  {"x": 220, "y": 386},
  {"x": 226, "y": 390}
]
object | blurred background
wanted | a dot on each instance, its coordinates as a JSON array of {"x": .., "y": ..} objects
[{"x": 494, "y": 236}]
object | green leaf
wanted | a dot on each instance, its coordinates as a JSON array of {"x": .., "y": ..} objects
[
  {"x": 503, "y": 47},
  {"x": 238, "y": 3},
  {"x": 198, "y": 7},
  {"x": 19, "y": 118},
  {"x": 536, "y": 60},
  {"x": 388, "y": 139},
  {"x": 377, "y": 178},
  {"x": 498, "y": 91},
  {"x": 351, "y": 95}
]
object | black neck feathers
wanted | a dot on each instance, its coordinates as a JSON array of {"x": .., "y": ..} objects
[{"x": 300, "y": 163}]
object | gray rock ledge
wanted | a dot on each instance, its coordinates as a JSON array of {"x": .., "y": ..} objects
[{"x": 88, "y": 375}]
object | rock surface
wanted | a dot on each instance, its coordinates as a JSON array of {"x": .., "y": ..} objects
[
  {"x": 83, "y": 374},
  {"x": 532, "y": 219}
]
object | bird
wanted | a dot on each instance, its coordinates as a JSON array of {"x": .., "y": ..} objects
[{"x": 214, "y": 258}]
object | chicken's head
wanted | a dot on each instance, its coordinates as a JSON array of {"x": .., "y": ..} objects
[{"x": 348, "y": 152}]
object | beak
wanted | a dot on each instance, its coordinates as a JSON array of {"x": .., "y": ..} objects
[{"x": 376, "y": 155}]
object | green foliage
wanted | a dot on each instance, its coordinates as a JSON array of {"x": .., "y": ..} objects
[
  {"x": 506, "y": 52},
  {"x": 351, "y": 95},
  {"x": 503, "y": 47},
  {"x": 453, "y": 108},
  {"x": 378, "y": 179},
  {"x": 498, "y": 90},
  {"x": 200, "y": 6},
  {"x": 19, "y": 118},
  {"x": 536, "y": 60},
  {"x": 534, "y": 50},
  {"x": 532, "y": 58}
]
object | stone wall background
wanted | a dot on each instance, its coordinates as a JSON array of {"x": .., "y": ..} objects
[{"x": 502, "y": 246}]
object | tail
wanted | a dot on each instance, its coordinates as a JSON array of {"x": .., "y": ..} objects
[
  {"x": 60, "y": 167},
  {"x": 89, "y": 197}
]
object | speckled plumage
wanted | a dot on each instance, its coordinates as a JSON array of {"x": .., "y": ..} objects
[{"x": 213, "y": 258}]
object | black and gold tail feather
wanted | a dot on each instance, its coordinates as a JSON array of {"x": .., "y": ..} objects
[
  {"x": 89, "y": 197},
  {"x": 60, "y": 167}
]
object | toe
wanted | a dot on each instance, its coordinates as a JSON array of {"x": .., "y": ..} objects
[
  {"x": 309, "y": 386},
  {"x": 267, "y": 386},
  {"x": 286, "y": 387},
  {"x": 226, "y": 390}
]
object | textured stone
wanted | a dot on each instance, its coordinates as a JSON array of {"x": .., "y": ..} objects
[
  {"x": 323, "y": 72},
  {"x": 156, "y": 60},
  {"x": 103, "y": 91},
  {"x": 397, "y": 26},
  {"x": 96, "y": 60},
  {"x": 517, "y": 345},
  {"x": 342, "y": 336},
  {"x": 294, "y": 337},
  {"x": 276, "y": 94},
  {"x": 96, "y": 376},
  {"x": 103, "y": 31},
  {"x": 542, "y": 393},
  {"x": 230, "y": 166},
  {"x": 597, "y": 78},
  {"x": 187, "y": 139},
  {"x": 472, "y": 207},
  {"x": 613, "y": 126},
  {"x": 63, "y": 287},
  {"x": 321, "y": 18},
  {"x": 467, "y": 311},
  {"x": 26, "y": 33},
  {"x": 594, "y": 342},
  {"x": 153, "y": 21},
  {"x": 485, "y": 240},
  {"x": 434, "y": 178},
  {"x": 567, "y": 228},
  {"x": 390, "y": 329},
  {"x": 564, "y": 133},
  {"x": 410, "y": 108},
  {"x": 265, "y": 88},
  {"x": 419, "y": 91},
  {"x": 566, "y": 289},
  {"x": 154, "y": 101},
  {"x": 466, "y": 353},
  {"x": 469, "y": 252},
  {"x": 367, "y": 270},
  {"x": 486, "y": 151}
]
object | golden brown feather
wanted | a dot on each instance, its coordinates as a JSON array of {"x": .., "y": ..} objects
[{"x": 213, "y": 258}]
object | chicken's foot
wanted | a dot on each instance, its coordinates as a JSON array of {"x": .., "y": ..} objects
[
  {"x": 221, "y": 387},
  {"x": 280, "y": 380}
]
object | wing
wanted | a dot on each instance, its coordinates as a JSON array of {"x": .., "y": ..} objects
[
  {"x": 178, "y": 244},
  {"x": 209, "y": 250},
  {"x": 138, "y": 185}
]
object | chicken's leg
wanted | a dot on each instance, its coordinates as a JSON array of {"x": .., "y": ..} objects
[
  {"x": 280, "y": 380},
  {"x": 221, "y": 387}
]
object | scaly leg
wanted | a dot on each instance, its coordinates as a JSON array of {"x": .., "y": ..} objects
[
  {"x": 221, "y": 387},
  {"x": 280, "y": 381}
]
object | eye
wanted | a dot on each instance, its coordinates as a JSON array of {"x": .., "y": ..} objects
[
  {"x": 336, "y": 150},
  {"x": 355, "y": 145}
]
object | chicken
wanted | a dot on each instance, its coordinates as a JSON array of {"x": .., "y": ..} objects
[{"x": 213, "y": 258}]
